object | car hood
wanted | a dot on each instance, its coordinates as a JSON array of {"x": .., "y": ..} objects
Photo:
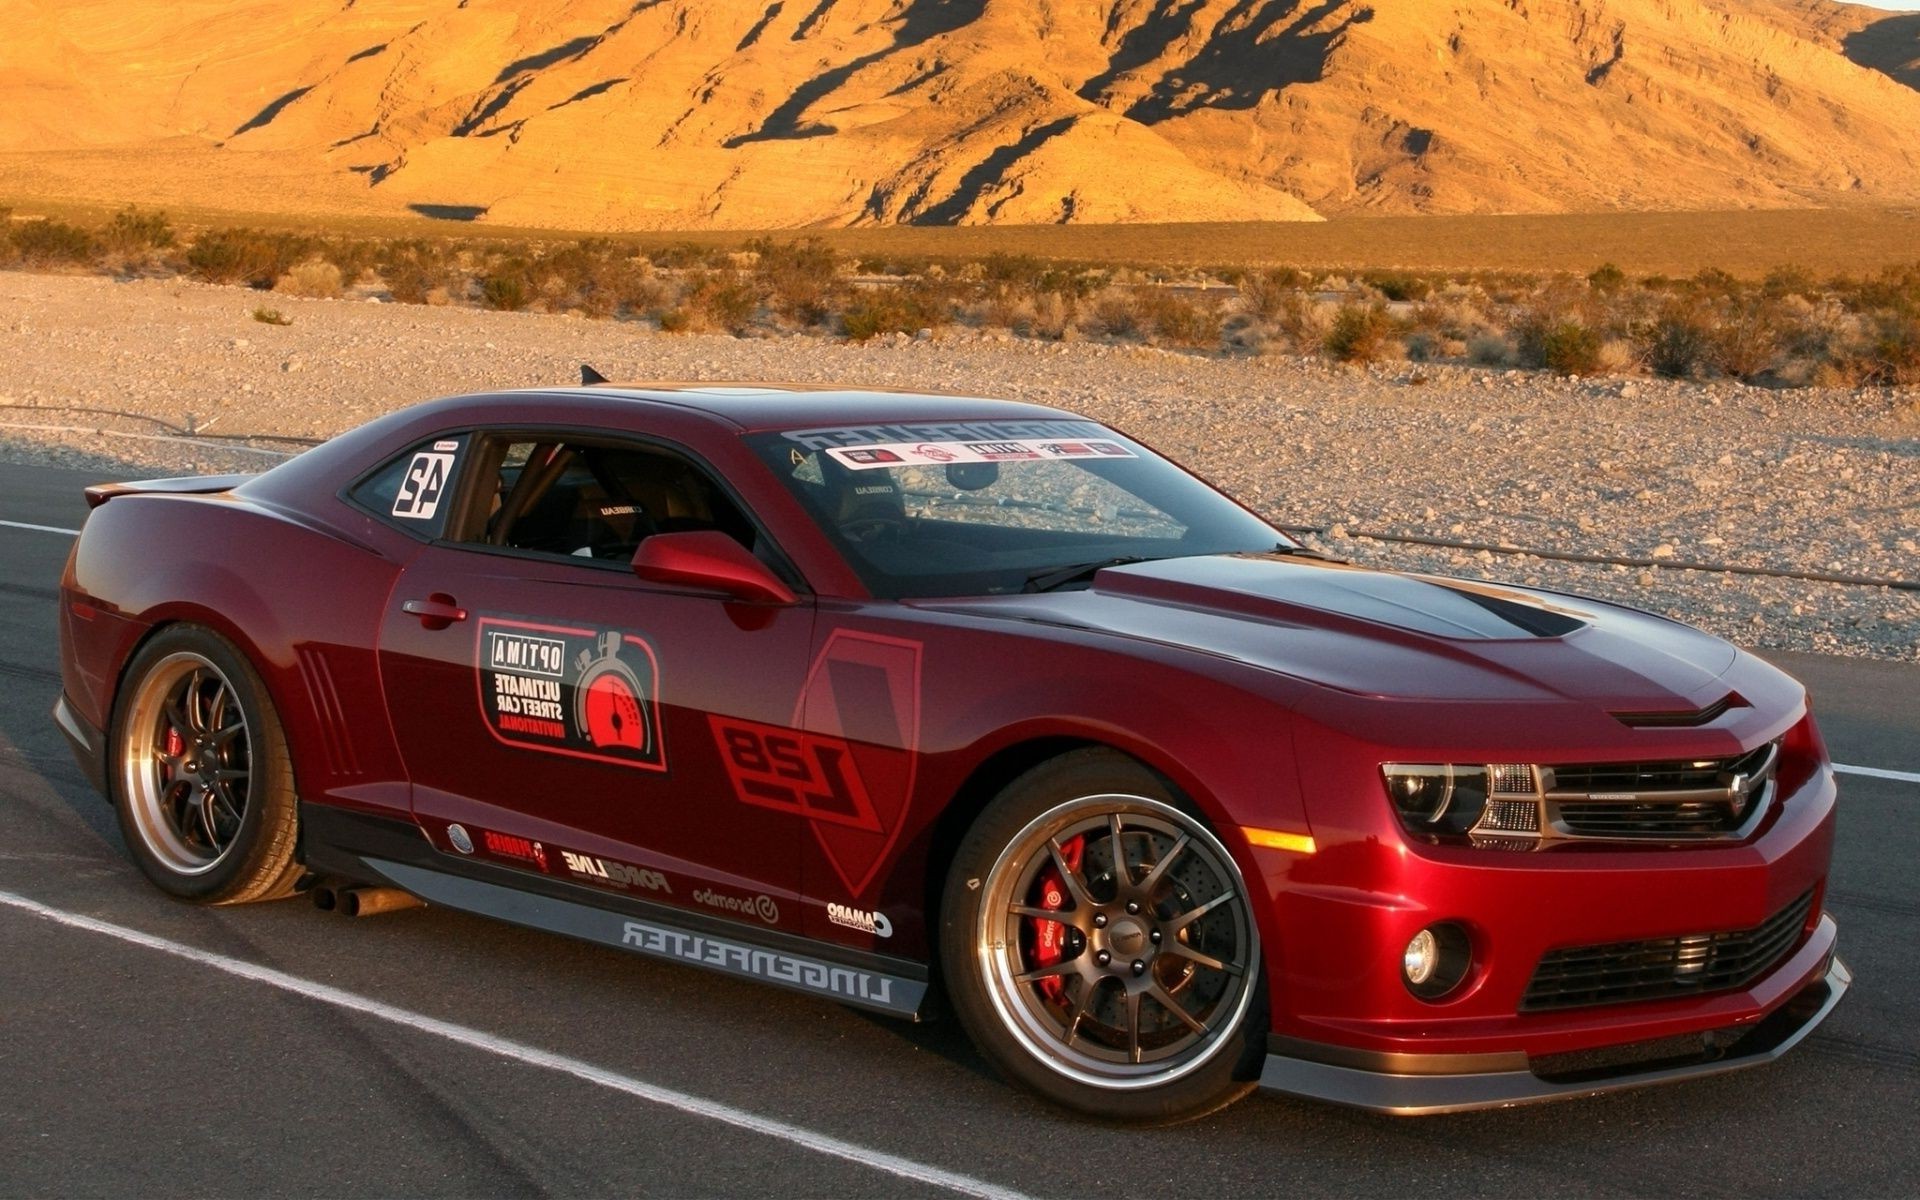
[{"x": 1382, "y": 633}]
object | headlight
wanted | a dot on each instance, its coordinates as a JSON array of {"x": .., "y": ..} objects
[{"x": 1439, "y": 798}]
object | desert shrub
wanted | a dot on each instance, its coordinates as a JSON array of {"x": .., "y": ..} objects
[
  {"x": 352, "y": 257},
  {"x": 1789, "y": 281},
  {"x": 892, "y": 309},
  {"x": 676, "y": 320},
  {"x": 1746, "y": 337},
  {"x": 1895, "y": 350},
  {"x": 723, "y": 299},
  {"x": 316, "y": 277},
  {"x": 1359, "y": 333},
  {"x": 686, "y": 256},
  {"x": 133, "y": 236},
  {"x": 1055, "y": 316},
  {"x": 52, "y": 243},
  {"x": 245, "y": 256},
  {"x": 507, "y": 288},
  {"x": 1490, "y": 350},
  {"x": 1712, "y": 282},
  {"x": 1399, "y": 285},
  {"x": 413, "y": 270},
  {"x": 1178, "y": 320},
  {"x": 1264, "y": 293},
  {"x": 1679, "y": 341},
  {"x": 1115, "y": 312},
  {"x": 271, "y": 316},
  {"x": 1606, "y": 279},
  {"x": 801, "y": 279},
  {"x": 1002, "y": 306},
  {"x": 1570, "y": 347}
]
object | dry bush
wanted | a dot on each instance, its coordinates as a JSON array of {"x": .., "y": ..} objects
[
  {"x": 246, "y": 256},
  {"x": 1398, "y": 285},
  {"x": 1617, "y": 357},
  {"x": 1115, "y": 312},
  {"x": 1606, "y": 279},
  {"x": 1894, "y": 351},
  {"x": 1359, "y": 333},
  {"x": 316, "y": 278},
  {"x": 1746, "y": 337},
  {"x": 134, "y": 238},
  {"x": 352, "y": 257},
  {"x": 1679, "y": 341},
  {"x": 1179, "y": 321},
  {"x": 893, "y": 308},
  {"x": 1003, "y": 307},
  {"x": 1305, "y": 322},
  {"x": 1490, "y": 350},
  {"x": 49, "y": 243},
  {"x": 801, "y": 280},
  {"x": 1055, "y": 316},
  {"x": 508, "y": 286},
  {"x": 414, "y": 270},
  {"x": 722, "y": 299},
  {"x": 1264, "y": 293}
]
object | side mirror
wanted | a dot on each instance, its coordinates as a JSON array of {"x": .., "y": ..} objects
[{"x": 709, "y": 561}]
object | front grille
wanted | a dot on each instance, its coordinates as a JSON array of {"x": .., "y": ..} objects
[
  {"x": 1698, "y": 798},
  {"x": 1662, "y": 968},
  {"x": 1648, "y": 820}
]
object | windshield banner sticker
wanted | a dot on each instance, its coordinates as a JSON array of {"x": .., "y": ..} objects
[
  {"x": 586, "y": 693},
  {"x": 924, "y": 454}
]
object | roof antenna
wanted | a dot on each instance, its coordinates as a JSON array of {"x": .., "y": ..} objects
[{"x": 589, "y": 376}]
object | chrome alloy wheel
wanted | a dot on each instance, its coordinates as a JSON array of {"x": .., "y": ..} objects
[
  {"x": 1117, "y": 943},
  {"x": 185, "y": 763}
]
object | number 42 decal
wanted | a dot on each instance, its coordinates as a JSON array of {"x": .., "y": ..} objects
[{"x": 420, "y": 489}]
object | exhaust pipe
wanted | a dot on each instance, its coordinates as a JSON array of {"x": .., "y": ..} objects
[
  {"x": 372, "y": 901},
  {"x": 325, "y": 898}
]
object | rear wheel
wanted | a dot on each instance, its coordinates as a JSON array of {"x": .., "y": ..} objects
[
  {"x": 1099, "y": 945},
  {"x": 200, "y": 773}
]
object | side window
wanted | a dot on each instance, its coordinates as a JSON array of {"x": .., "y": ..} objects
[
  {"x": 591, "y": 500},
  {"x": 414, "y": 491}
]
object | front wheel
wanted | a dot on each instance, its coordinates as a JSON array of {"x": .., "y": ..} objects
[
  {"x": 1099, "y": 945},
  {"x": 200, "y": 773}
]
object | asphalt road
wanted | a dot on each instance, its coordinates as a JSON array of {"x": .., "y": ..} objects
[{"x": 129, "y": 1069}]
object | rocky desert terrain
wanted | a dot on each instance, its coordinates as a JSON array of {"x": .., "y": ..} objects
[
  {"x": 1651, "y": 473},
  {"x": 687, "y": 114}
]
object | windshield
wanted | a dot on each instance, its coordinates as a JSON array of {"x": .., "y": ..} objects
[{"x": 987, "y": 507}]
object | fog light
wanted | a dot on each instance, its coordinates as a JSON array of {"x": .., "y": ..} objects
[
  {"x": 1437, "y": 960},
  {"x": 1423, "y": 956}
]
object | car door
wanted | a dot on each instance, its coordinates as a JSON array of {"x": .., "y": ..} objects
[{"x": 558, "y": 715}]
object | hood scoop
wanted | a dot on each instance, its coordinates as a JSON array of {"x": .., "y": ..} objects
[
  {"x": 1681, "y": 720},
  {"x": 1306, "y": 591}
]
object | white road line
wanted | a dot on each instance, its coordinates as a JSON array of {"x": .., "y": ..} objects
[
  {"x": 1878, "y": 773},
  {"x": 40, "y": 528},
  {"x": 904, "y": 1168}
]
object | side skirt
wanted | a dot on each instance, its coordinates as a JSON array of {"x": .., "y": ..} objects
[{"x": 653, "y": 930}]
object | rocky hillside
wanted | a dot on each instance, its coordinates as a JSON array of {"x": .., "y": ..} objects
[{"x": 601, "y": 114}]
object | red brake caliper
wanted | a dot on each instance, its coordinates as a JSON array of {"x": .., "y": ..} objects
[
  {"x": 1050, "y": 937},
  {"x": 176, "y": 744}
]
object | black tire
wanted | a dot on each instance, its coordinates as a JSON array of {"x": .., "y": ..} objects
[
  {"x": 1079, "y": 1034},
  {"x": 199, "y": 773}
]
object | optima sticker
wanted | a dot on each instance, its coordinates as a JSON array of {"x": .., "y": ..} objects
[{"x": 585, "y": 693}]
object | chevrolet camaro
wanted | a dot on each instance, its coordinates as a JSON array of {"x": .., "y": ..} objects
[{"x": 934, "y": 705}]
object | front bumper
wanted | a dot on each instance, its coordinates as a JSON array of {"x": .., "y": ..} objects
[{"x": 1417, "y": 1084}]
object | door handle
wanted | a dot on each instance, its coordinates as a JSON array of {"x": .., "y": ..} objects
[{"x": 435, "y": 612}]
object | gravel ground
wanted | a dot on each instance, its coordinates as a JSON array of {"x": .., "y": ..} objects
[{"x": 1822, "y": 482}]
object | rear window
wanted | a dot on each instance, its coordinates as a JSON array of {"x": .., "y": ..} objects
[{"x": 414, "y": 490}]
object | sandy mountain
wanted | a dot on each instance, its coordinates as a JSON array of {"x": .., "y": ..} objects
[{"x": 719, "y": 113}]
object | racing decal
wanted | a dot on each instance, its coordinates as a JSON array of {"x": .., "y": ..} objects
[
  {"x": 514, "y": 848},
  {"x": 605, "y": 872},
  {"x": 785, "y": 769},
  {"x": 870, "y": 436},
  {"x": 763, "y": 906},
  {"x": 426, "y": 479},
  {"x": 806, "y": 974},
  {"x": 586, "y": 693},
  {"x": 912, "y": 454},
  {"x": 847, "y": 762},
  {"x": 875, "y": 923}
]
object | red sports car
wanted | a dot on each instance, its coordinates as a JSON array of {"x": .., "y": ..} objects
[{"x": 913, "y": 701}]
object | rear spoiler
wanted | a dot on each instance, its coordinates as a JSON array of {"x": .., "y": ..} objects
[{"x": 191, "y": 485}]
